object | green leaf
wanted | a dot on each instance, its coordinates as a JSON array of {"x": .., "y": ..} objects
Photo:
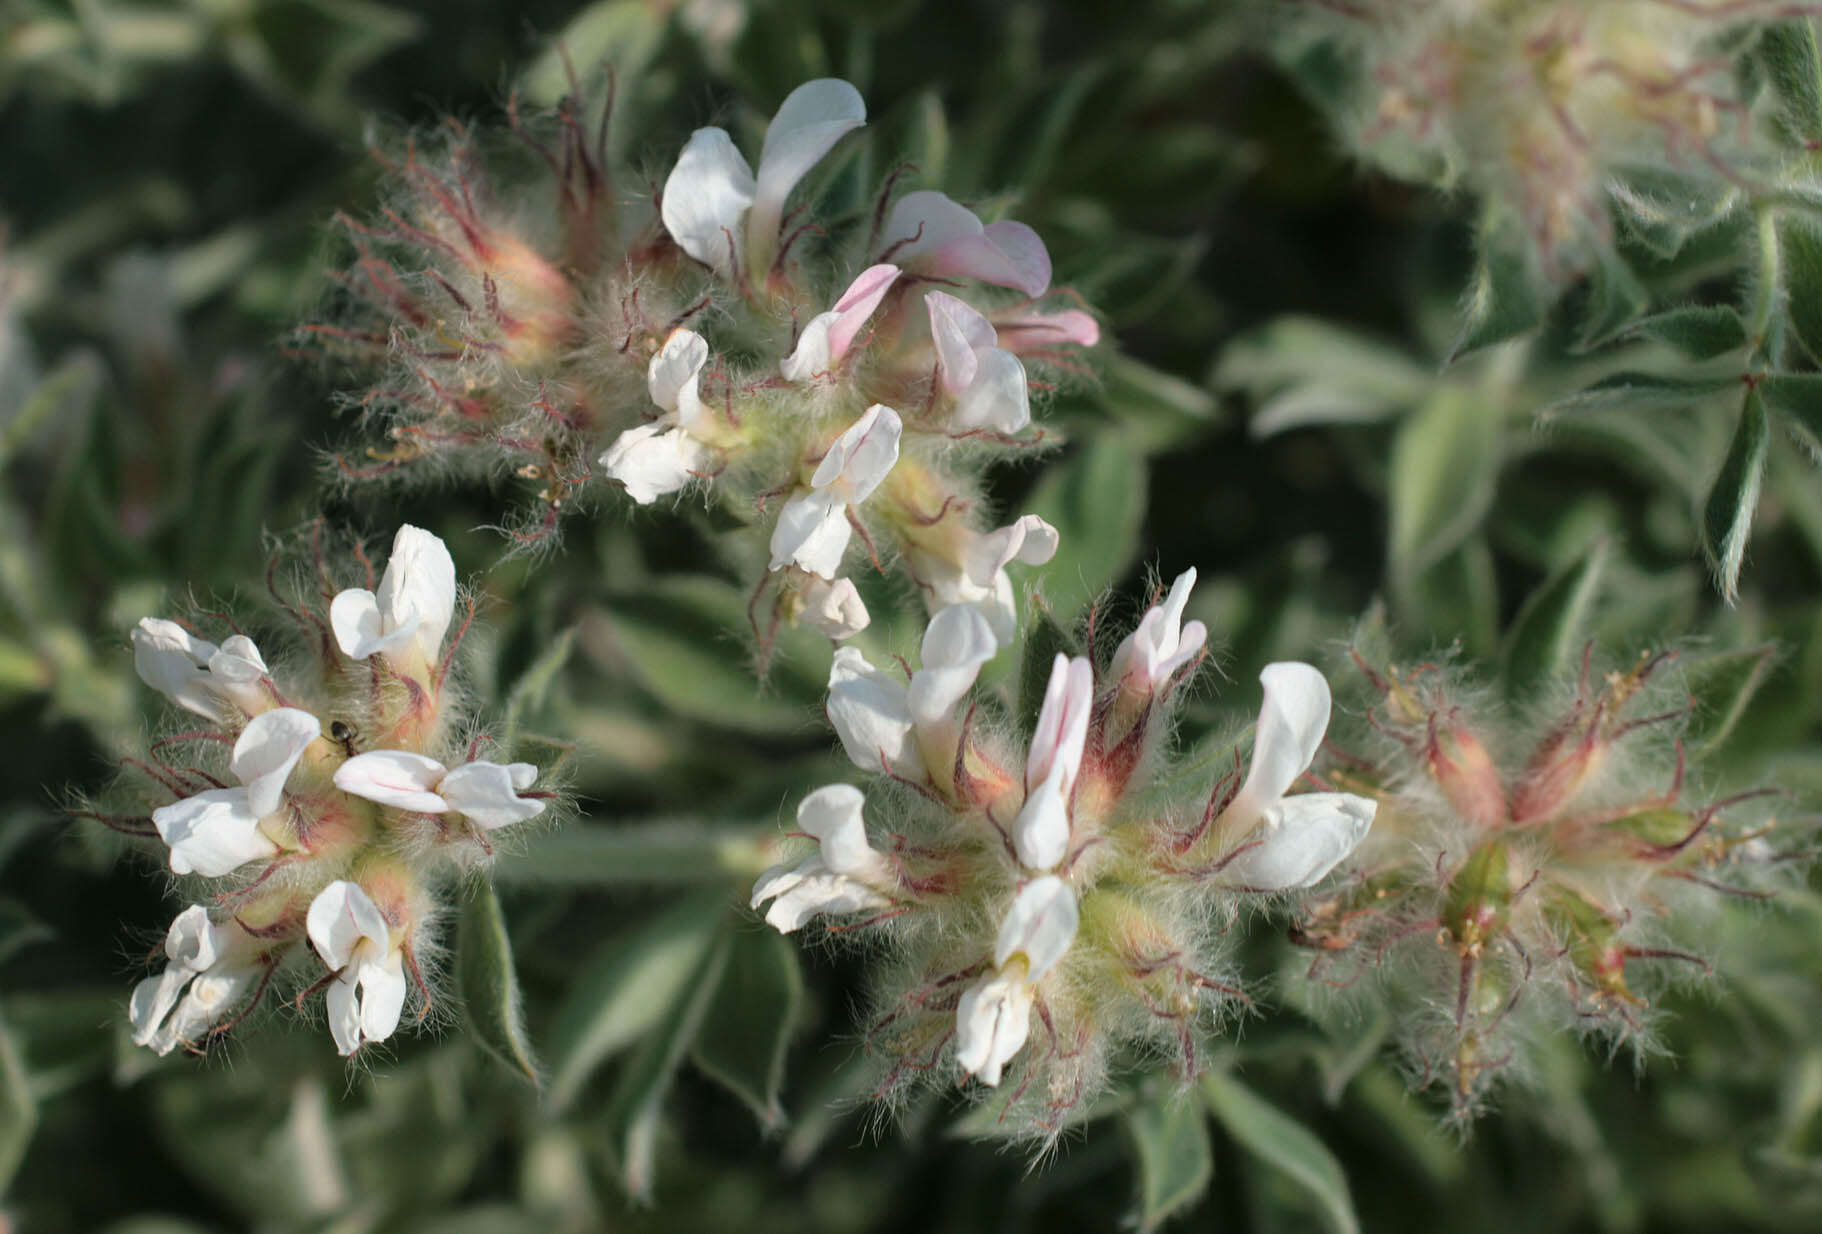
[
  {"x": 1638, "y": 391},
  {"x": 1285, "y": 1144},
  {"x": 1503, "y": 302},
  {"x": 1797, "y": 396},
  {"x": 1095, "y": 497},
  {"x": 1445, "y": 463},
  {"x": 1787, "y": 52},
  {"x": 669, "y": 852},
  {"x": 1665, "y": 208},
  {"x": 18, "y": 1108},
  {"x": 684, "y": 640},
  {"x": 1163, "y": 410},
  {"x": 625, "y": 988},
  {"x": 18, "y": 928},
  {"x": 622, "y": 33},
  {"x": 1800, "y": 260},
  {"x": 634, "y": 1109},
  {"x": 1615, "y": 297},
  {"x": 1700, "y": 332},
  {"x": 1045, "y": 640},
  {"x": 749, "y": 1027},
  {"x": 1548, "y": 633},
  {"x": 1170, "y": 1135},
  {"x": 1302, "y": 371},
  {"x": 1721, "y": 686},
  {"x": 529, "y": 691},
  {"x": 1727, "y": 516},
  {"x": 489, "y": 983}
]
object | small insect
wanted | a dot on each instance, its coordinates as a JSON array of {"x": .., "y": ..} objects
[{"x": 342, "y": 734}]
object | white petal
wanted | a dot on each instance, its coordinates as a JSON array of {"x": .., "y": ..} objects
[
  {"x": 812, "y": 533},
  {"x": 382, "y": 996},
  {"x": 812, "y": 355},
  {"x": 1292, "y": 720},
  {"x": 992, "y": 1021},
  {"x": 212, "y": 833},
  {"x": 418, "y": 590},
  {"x": 811, "y": 890},
  {"x": 153, "y": 999},
  {"x": 1153, "y": 653},
  {"x": 209, "y": 1000},
  {"x": 524, "y": 775},
  {"x": 398, "y": 778},
  {"x": 672, "y": 375},
  {"x": 486, "y": 793},
  {"x": 1028, "y": 540},
  {"x": 360, "y": 631},
  {"x": 655, "y": 459},
  {"x": 835, "y": 815},
  {"x": 341, "y": 915},
  {"x": 1033, "y": 331},
  {"x": 868, "y": 709},
  {"x": 239, "y": 672},
  {"x": 835, "y": 609},
  {"x": 1040, "y": 833},
  {"x": 705, "y": 198},
  {"x": 1040, "y": 925},
  {"x": 957, "y": 643},
  {"x": 1302, "y": 839},
  {"x": 857, "y": 305},
  {"x": 1005, "y": 254},
  {"x": 998, "y": 398},
  {"x": 344, "y": 1015},
  {"x": 923, "y": 222},
  {"x": 193, "y": 941},
  {"x": 861, "y": 457},
  {"x": 1062, "y": 728},
  {"x": 267, "y": 750},
  {"x": 170, "y": 659},
  {"x": 957, "y": 331},
  {"x": 811, "y": 119}
]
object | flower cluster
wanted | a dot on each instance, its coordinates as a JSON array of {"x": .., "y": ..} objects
[
  {"x": 348, "y": 793},
  {"x": 1540, "y": 107},
  {"x": 826, "y": 378},
  {"x": 1051, "y": 911},
  {"x": 1524, "y": 876}
]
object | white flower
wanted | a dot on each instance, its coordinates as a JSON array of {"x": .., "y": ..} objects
[
  {"x": 1152, "y": 654},
  {"x": 834, "y": 608},
  {"x": 719, "y": 212},
  {"x": 1295, "y": 840},
  {"x": 352, "y": 936},
  {"x": 812, "y": 531},
  {"x": 197, "y": 675},
  {"x": 986, "y": 382},
  {"x": 977, "y": 574},
  {"x": 665, "y": 455},
  {"x": 993, "y": 1016},
  {"x": 208, "y": 967},
  {"x": 216, "y": 832},
  {"x": 843, "y": 876},
  {"x": 412, "y": 610},
  {"x": 877, "y": 716},
  {"x": 1040, "y": 834},
  {"x": 483, "y": 792},
  {"x": 828, "y": 336},
  {"x": 932, "y": 234}
]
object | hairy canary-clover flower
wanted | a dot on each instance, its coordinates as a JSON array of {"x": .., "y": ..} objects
[
  {"x": 1051, "y": 909},
  {"x": 359, "y": 799},
  {"x": 1528, "y": 869},
  {"x": 832, "y": 379}
]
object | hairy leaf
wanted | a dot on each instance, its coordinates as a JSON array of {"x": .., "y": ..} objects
[
  {"x": 749, "y": 1026},
  {"x": 1285, "y": 1144},
  {"x": 489, "y": 983},
  {"x": 1170, "y": 1136},
  {"x": 1727, "y": 516}
]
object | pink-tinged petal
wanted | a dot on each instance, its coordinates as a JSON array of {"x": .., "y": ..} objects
[
  {"x": 1161, "y": 644},
  {"x": 672, "y": 376},
  {"x": 812, "y": 356},
  {"x": 809, "y": 122},
  {"x": 835, "y": 815},
  {"x": 340, "y": 917},
  {"x": 834, "y": 609},
  {"x": 418, "y": 590},
  {"x": 212, "y": 833},
  {"x": 992, "y": 1021},
  {"x": 1004, "y": 254},
  {"x": 957, "y": 643},
  {"x": 1040, "y": 925},
  {"x": 811, "y": 533},
  {"x": 1304, "y": 837},
  {"x": 1032, "y": 331},
  {"x": 705, "y": 199},
  {"x": 267, "y": 750},
  {"x": 861, "y": 457},
  {"x": 398, "y": 778},
  {"x": 1292, "y": 721},
  {"x": 868, "y": 709},
  {"x": 998, "y": 398},
  {"x": 857, "y": 304},
  {"x": 957, "y": 331},
  {"x": 487, "y": 794},
  {"x": 1062, "y": 727},
  {"x": 653, "y": 460},
  {"x": 923, "y": 222}
]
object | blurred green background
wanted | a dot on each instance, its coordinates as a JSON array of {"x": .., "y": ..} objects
[{"x": 167, "y": 173}]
